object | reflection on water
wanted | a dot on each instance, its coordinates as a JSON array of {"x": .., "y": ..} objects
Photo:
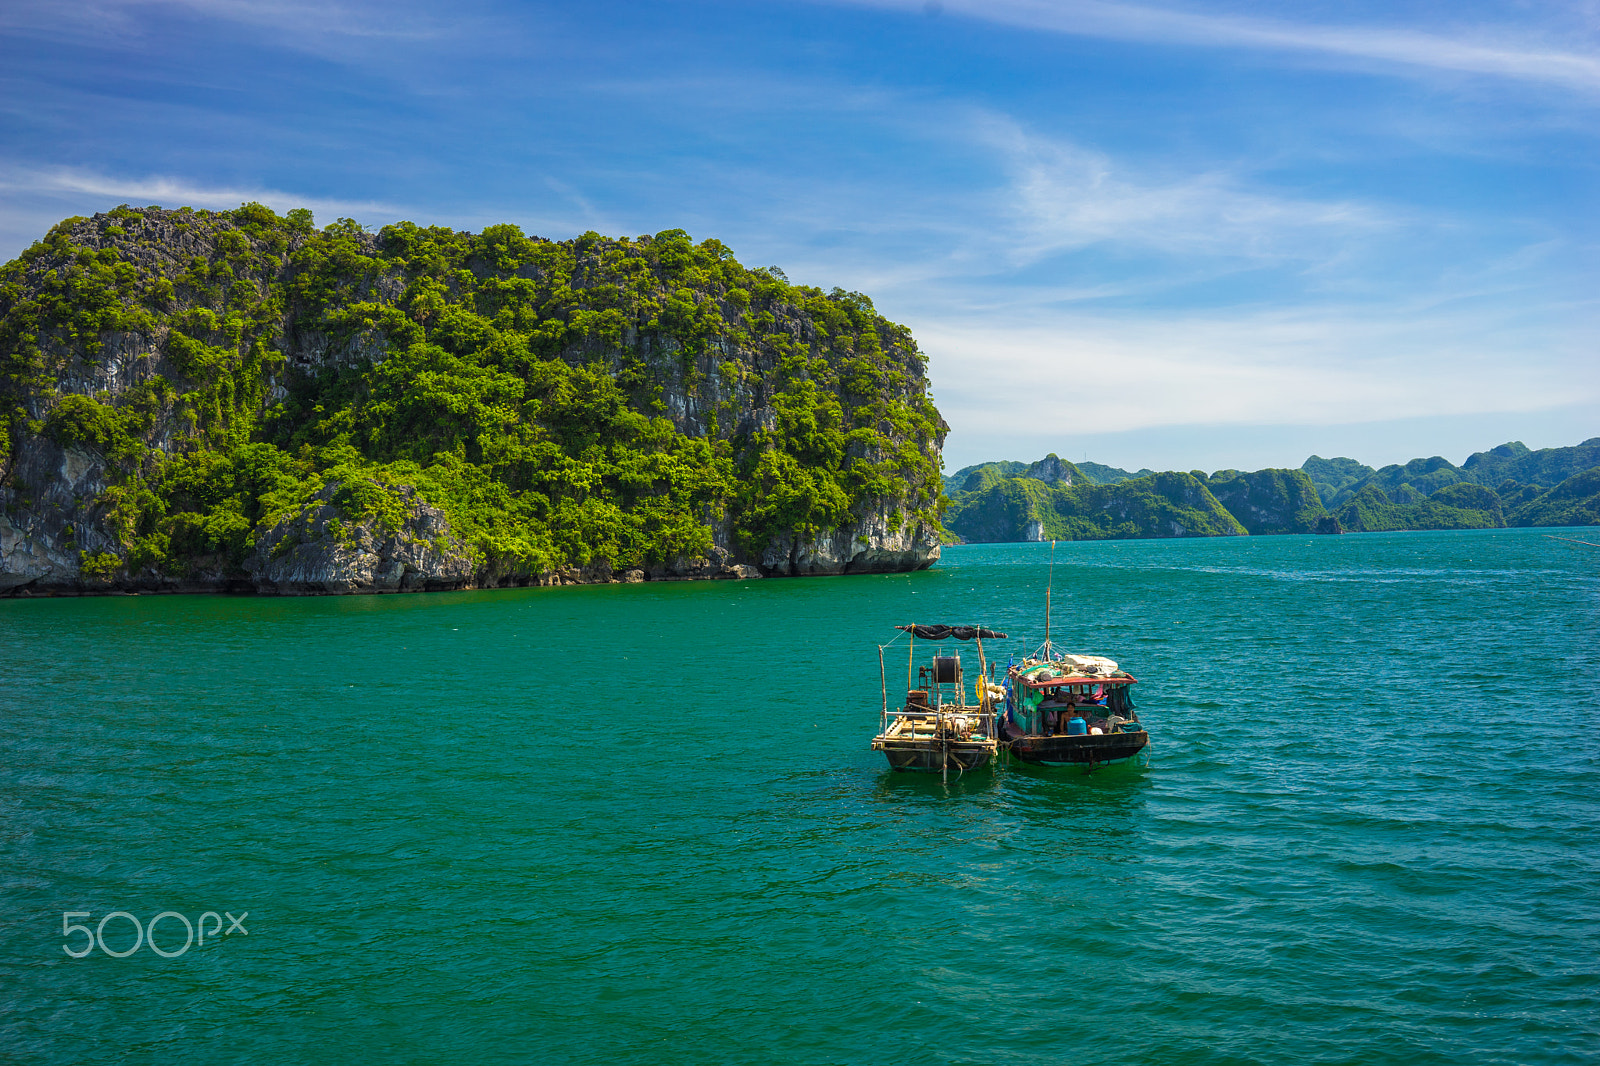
[{"x": 898, "y": 786}]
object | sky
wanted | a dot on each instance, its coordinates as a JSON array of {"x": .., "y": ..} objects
[{"x": 1175, "y": 235}]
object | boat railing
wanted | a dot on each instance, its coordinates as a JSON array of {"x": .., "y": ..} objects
[{"x": 942, "y": 717}]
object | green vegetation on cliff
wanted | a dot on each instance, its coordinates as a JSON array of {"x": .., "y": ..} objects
[
  {"x": 1574, "y": 502},
  {"x": 1333, "y": 476},
  {"x": 1011, "y": 501},
  {"x": 1457, "y": 507},
  {"x": 1269, "y": 501},
  {"x": 1410, "y": 482},
  {"x": 1547, "y": 467},
  {"x": 1101, "y": 474},
  {"x": 981, "y": 476},
  {"x": 630, "y": 400},
  {"x": 1510, "y": 469},
  {"x": 1159, "y": 505}
]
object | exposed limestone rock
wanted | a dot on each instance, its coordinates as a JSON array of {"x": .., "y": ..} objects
[
  {"x": 26, "y": 560},
  {"x": 312, "y": 552},
  {"x": 1052, "y": 470},
  {"x": 51, "y": 519},
  {"x": 875, "y": 545}
]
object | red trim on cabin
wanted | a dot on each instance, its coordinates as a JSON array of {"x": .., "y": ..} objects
[{"x": 1028, "y": 682}]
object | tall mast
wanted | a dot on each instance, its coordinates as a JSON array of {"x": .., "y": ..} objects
[
  {"x": 1048, "y": 583},
  {"x": 911, "y": 654}
]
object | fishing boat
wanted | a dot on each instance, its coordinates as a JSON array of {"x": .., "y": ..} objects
[
  {"x": 936, "y": 730},
  {"x": 1071, "y": 710},
  {"x": 1065, "y": 710}
]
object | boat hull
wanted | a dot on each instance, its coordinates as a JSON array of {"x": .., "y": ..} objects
[
  {"x": 933, "y": 756},
  {"x": 1080, "y": 751}
]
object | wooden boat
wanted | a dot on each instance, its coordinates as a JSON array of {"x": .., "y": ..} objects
[
  {"x": 936, "y": 730},
  {"x": 1071, "y": 710}
]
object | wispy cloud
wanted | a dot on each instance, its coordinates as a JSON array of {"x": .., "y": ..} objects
[
  {"x": 1046, "y": 219},
  {"x": 1366, "y": 321},
  {"x": 334, "y": 30},
  {"x": 1064, "y": 196},
  {"x": 79, "y": 185},
  {"x": 32, "y": 200},
  {"x": 390, "y": 20},
  {"x": 1505, "y": 52}
]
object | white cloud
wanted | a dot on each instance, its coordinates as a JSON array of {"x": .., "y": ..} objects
[
  {"x": 82, "y": 186},
  {"x": 1064, "y": 196},
  {"x": 1482, "y": 333},
  {"x": 1495, "y": 51},
  {"x": 31, "y": 201},
  {"x": 1071, "y": 374},
  {"x": 1354, "y": 312}
]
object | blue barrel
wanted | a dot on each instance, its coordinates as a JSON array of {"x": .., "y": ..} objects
[{"x": 1077, "y": 727}]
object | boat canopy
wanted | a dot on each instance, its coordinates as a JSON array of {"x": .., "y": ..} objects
[
  {"x": 958, "y": 632},
  {"x": 1054, "y": 680}
]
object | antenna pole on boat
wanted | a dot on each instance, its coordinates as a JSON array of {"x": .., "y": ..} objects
[
  {"x": 911, "y": 653},
  {"x": 983, "y": 674},
  {"x": 984, "y": 708},
  {"x": 944, "y": 754},
  {"x": 1048, "y": 583},
  {"x": 883, "y": 679}
]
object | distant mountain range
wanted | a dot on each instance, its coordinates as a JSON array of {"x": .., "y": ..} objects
[{"x": 1510, "y": 485}]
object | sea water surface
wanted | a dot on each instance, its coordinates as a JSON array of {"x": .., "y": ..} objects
[{"x": 642, "y": 823}]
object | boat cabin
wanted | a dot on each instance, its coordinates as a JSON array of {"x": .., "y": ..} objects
[
  {"x": 1052, "y": 704},
  {"x": 1071, "y": 710}
]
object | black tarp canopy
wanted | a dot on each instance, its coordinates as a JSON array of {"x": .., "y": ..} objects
[{"x": 945, "y": 632}]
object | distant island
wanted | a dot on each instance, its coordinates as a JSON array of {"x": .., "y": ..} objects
[
  {"x": 240, "y": 401},
  {"x": 1054, "y": 499}
]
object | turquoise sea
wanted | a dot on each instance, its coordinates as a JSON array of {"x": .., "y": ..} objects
[{"x": 642, "y": 823}]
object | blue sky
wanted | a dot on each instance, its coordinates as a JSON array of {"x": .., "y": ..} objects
[{"x": 1169, "y": 235}]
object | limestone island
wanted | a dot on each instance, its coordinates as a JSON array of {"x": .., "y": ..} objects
[{"x": 237, "y": 401}]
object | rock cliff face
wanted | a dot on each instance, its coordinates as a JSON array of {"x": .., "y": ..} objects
[{"x": 237, "y": 401}]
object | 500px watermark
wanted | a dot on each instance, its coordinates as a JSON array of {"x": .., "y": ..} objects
[{"x": 146, "y": 934}]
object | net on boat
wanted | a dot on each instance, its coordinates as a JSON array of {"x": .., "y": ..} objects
[{"x": 946, "y": 632}]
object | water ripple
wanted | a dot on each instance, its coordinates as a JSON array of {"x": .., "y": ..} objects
[{"x": 640, "y": 824}]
